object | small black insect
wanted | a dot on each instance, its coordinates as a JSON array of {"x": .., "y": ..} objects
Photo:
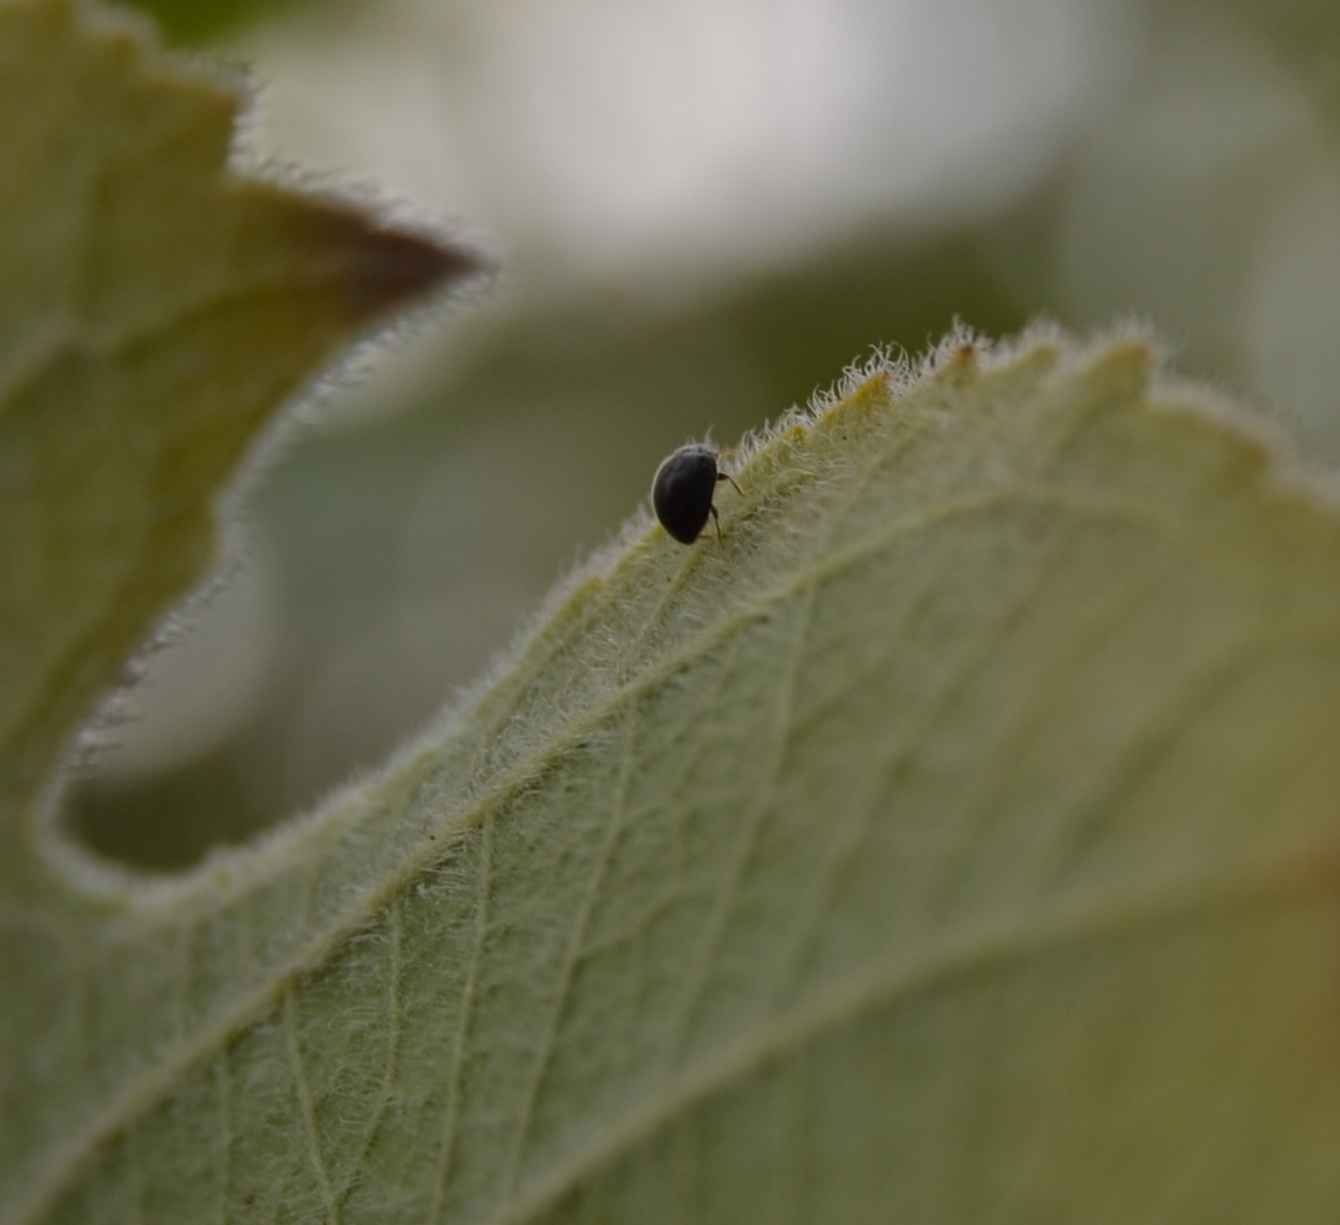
[{"x": 682, "y": 490}]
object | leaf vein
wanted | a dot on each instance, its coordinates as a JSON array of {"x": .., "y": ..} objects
[
  {"x": 465, "y": 1018},
  {"x": 394, "y": 1021},
  {"x": 306, "y": 1106}
]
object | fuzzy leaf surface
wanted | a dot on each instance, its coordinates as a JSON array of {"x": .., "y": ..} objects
[{"x": 955, "y": 842}]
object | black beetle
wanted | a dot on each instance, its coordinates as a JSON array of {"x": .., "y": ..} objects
[{"x": 682, "y": 490}]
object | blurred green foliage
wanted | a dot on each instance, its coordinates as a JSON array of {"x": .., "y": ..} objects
[{"x": 197, "y": 21}]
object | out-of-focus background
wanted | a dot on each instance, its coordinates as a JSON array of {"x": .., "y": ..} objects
[{"x": 702, "y": 211}]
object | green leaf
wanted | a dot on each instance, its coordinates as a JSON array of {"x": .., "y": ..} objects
[
  {"x": 956, "y": 841},
  {"x": 200, "y": 20},
  {"x": 156, "y": 309}
]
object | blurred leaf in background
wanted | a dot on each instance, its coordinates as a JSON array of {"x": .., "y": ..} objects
[
  {"x": 195, "y": 21},
  {"x": 702, "y": 211}
]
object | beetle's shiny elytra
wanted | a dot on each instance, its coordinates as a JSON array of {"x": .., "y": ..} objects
[{"x": 682, "y": 491}]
